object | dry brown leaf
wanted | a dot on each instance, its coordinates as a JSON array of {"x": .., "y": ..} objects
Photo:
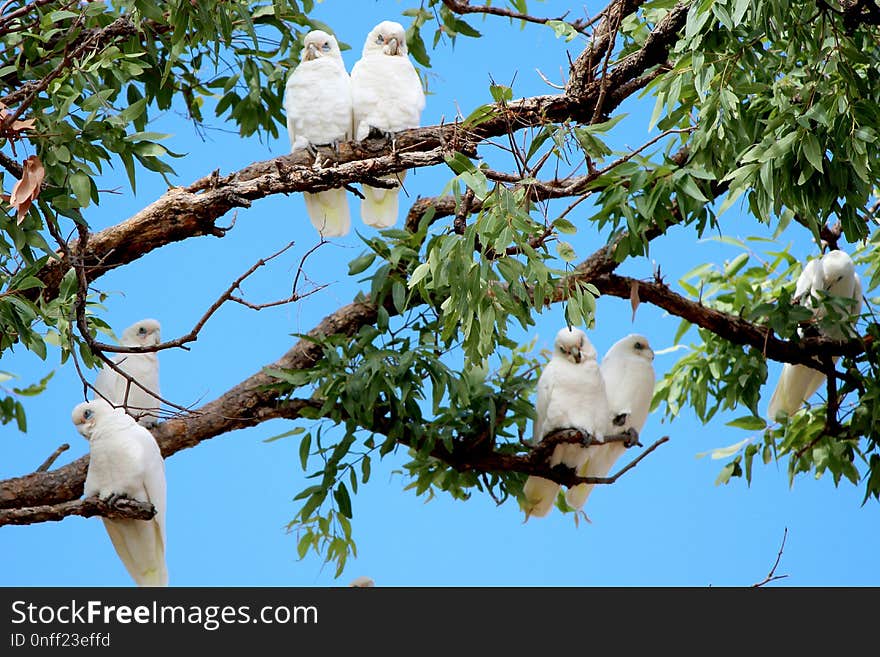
[
  {"x": 18, "y": 126},
  {"x": 13, "y": 131},
  {"x": 634, "y": 300},
  {"x": 28, "y": 188}
]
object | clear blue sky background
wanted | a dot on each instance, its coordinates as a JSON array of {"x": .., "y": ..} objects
[{"x": 230, "y": 498}]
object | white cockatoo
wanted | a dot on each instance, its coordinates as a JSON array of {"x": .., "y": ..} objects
[
  {"x": 571, "y": 395},
  {"x": 362, "y": 582},
  {"x": 124, "y": 460},
  {"x": 386, "y": 96},
  {"x": 628, "y": 373},
  {"x": 834, "y": 273},
  {"x": 317, "y": 100},
  {"x": 143, "y": 368}
]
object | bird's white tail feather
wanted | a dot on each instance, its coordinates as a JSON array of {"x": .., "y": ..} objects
[
  {"x": 141, "y": 549},
  {"x": 577, "y": 496},
  {"x": 379, "y": 207},
  {"x": 328, "y": 212},
  {"x": 797, "y": 383},
  {"x": 540, "y": 495},
  {"x": 598, "y": 464}
]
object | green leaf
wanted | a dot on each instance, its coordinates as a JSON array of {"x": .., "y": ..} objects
[
  {"x": 748, "y": 422},
  {"x": 562, "y": 30},
  {"x": 566, "y": 251},
  {"x": 361, "y": 263},
  {"x": 304, "y": 447},
  {"x": 565, "y": 226},
  {"x": 813, "y": 151},
  {"x": 343, "y": 500},
  {"x": 81, "y": 186},
  {"x": 724, "y": 452},
  {"x": 286, "y": 434},
  {"x": 419, "y": 274}
]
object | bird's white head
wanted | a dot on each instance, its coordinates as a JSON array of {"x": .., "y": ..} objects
[
  {"x": 145, "y": 333},
  {"x": 387, "y": 38},
  {"x": 573, "y": 344},
  {"x": 632, "y": 345},
  {"x": 319, "y": 44},
  {"x": 86, "y": 415},
  {"x": 837, "y": 268}
]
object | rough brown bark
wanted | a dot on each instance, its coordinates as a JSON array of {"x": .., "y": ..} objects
[{"x": 87, "y": 508}]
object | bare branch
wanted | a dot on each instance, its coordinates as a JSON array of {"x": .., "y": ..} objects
[
  {"x": 193, "y": 335},
  {"x": 772, "y": 576},
  {"x": 52, "y": 458},
  {"x": 464, "y": 7},
  {"x": 805, "y": 351}
]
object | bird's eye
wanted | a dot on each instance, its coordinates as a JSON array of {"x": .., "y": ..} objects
[
  {"x": 326, "y": 47},
  {"x": 142, "y": 330},
  {"x": 380, "y": 39},
  {"x": 639, "y": 345},
  {"x": 87, "y": 414}
]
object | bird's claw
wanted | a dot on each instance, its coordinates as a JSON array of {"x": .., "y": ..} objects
[
  {"x": 378, "y": 133},
  {"x": 577, "y": 516},
  {"x": 632, "y": 438},
  {"x": 113, "y": 498},
  {"x": 620, "y": 420}
]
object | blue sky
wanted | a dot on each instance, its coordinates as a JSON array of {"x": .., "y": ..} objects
[{"x": 230, "y": 498}]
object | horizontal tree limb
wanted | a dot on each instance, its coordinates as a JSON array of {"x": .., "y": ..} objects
[
  {"x": 87, "y": 508},
  {"x": 804, "y": 351}
]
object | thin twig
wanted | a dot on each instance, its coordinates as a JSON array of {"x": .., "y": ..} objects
[
  {"x": 52, "y": 457},
  {"x": 772, "y": 576},
  {"x": 464, "y": 7}
]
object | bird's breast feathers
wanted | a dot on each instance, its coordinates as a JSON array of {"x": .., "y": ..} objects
[
  {"x": 318, "y": 102},
  {"x": 387, "y": 90}
]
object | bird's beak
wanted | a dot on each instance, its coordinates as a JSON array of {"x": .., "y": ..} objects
[
  {"x": 577, "y": 355},
  {"x": 393, "y": 46},
  {"x": 311, "y": 52}
]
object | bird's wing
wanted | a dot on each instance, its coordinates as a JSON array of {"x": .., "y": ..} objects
[
  {"x": 109, "y": 383},
  {"x": 545, "y": 392}
]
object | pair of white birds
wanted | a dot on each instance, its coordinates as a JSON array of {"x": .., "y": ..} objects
[
  {"x": 124, "y": 458},
  {"x": 576, "y": 392},
  {"x": 325, "y": 105}
]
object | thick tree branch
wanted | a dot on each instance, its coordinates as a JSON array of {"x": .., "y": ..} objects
[
  {"x": 249, "y": 403},
  {"x": 805, "y": 351},
  {"x": 88, "y": 507}
]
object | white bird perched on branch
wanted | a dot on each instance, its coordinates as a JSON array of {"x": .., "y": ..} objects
[
  {"x": 124, "y": 460},
  {"x": 628, "y": 373},
  {"x": 143, "y": 368},
  {"x": 571, "y": 395},
  {"x": 317, "y": 100},
  {"x": 835, "y": 275},
  {"x": 386, "y": 96}
]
